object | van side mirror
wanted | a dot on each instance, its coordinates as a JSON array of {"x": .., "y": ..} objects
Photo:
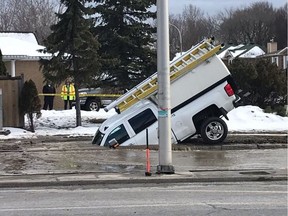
[{"x": 113, "y": 143}]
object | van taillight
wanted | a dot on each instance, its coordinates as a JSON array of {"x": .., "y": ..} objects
[{"x": 229, "y": 90}]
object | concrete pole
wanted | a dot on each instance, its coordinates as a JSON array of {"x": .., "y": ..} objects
[{"x": 164, "y": 108}]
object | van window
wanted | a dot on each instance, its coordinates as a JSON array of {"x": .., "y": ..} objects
[
  {"x": 119, "y": 133},
  {"x": 143, "y": 120}
]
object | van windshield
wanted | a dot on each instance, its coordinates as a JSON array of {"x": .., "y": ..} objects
[{"x": 98, "y": 138}]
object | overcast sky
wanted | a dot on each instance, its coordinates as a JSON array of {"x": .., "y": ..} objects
[{"x": 212, "y": 7}]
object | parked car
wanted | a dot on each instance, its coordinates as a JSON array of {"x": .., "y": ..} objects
[{"x": 92, "y": 99}]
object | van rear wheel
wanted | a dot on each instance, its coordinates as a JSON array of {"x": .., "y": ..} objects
[{"x": 214, "y": 130}]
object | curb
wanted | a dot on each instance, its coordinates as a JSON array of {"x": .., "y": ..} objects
[
  {"x": 175, "y": 148},
  {"x": 105, "y": 179}
]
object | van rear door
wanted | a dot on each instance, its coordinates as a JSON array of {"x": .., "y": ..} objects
[
  {"x": 146, "y": 119},
  {"x": 144, "y": 126}
]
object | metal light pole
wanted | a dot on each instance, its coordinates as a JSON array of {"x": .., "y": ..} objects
[
  {"x": 164, "y": 107},
  {"x": 180, "y": 36},
  {"x": 1, "y": 111}
]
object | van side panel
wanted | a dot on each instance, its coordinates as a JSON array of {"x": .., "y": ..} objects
[
  {"x": 140, "y": 138},
  {"x": 181, "y": 121},
  {"x": 195, "y": 81}
]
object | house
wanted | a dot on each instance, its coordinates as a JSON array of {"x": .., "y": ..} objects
[
  {"x": 21, "y": 55},
  {"x": 279, "y": 57},
  {"x": 250, "y": 51}
]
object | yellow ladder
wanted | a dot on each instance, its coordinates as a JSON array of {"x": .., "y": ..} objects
[{"x": 190, "y": 60}]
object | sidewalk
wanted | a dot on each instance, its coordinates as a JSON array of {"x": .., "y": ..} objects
[
  {"x": 73, "y": 179},
  {"x": 29, "y": 164}
]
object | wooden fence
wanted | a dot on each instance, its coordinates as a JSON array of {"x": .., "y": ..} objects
[{"x": 11, "y": 91}]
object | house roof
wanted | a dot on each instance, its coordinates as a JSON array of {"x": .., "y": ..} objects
[
  {"x": 240, "y": 51},
  {"x": 282, "y": 52},
  {"x": 24, "y": 36},
  {"x": 22, "y": 46}
]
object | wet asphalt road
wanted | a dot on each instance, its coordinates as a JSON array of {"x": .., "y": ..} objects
[{"x": 217, "y": 199}]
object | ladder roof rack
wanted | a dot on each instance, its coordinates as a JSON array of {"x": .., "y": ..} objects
[{"x": 180, "y": 66}]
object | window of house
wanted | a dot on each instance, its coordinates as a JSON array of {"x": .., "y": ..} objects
[
  {"x": 275, "y": 60},
  {"x": 143, "y": 120},
  {"x": 119, "y": 133}
]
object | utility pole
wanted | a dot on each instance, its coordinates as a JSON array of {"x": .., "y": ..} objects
[
  {"x": 180, "y": 37},
  {"x": 1, "y": 111},
  {"x": 164, "y": 108}
]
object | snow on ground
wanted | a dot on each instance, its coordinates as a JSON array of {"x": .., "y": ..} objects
[
  {"x": 253, "y": 119},
  {"x": 248, "y": 119}
]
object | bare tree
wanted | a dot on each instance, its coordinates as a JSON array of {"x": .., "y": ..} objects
[
  {"x": 194, "y": 26},
  {"x": 257, "y": 23},
  {"x": 175, "y": 35},
  {"x": 252, "y": 24},
  {"x": 28, "y": 15},
  {"x": 280, "y": 27}
]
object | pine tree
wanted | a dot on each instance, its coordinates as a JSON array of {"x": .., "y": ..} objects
[
  {"x": 244, "y": 73},
  {"x": 264, "y": 81},
  {"x": 125, "y": 35},
  {"x": 271, "y": 84},
  {"x": 74, "y": 49},
  {"x": 3, "y": 71},
  {"x": 30, "y": 104}
]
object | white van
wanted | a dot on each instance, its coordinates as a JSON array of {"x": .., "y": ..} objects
[{"x": 200, "y": 97}]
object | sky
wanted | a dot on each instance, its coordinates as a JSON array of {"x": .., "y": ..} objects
[
  {"x": 249, "y": 119},
  {"x": 212, "y": 7}
]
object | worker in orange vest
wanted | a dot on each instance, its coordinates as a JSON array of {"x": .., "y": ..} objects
[{"x": 68, "y": 94}]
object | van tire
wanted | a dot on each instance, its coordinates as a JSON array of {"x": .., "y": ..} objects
[
  {"x": 214, "y": 130},
  {"x": 92, "y": 105}
]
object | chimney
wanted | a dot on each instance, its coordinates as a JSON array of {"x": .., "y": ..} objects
[{"x": 271, "y": 46}]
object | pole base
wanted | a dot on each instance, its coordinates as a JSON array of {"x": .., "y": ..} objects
[
  {"x": 148, "y": 174},
  {"x": 165, "y": 169}
]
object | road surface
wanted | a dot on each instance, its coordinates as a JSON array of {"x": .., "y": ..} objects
[{"x": 225, "y": 199}]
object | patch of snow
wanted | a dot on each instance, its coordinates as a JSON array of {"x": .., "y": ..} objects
[
  {"x": 26, "y": 37},
  {"x": 253, "y": 53},
  {"x": 62, "y": 122},
  {"x": 15, "y": 47},
  {"x": 254, "y": 119}
]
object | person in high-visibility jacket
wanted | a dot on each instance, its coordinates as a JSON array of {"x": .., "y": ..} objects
[{"x": 68, "y": 94}]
